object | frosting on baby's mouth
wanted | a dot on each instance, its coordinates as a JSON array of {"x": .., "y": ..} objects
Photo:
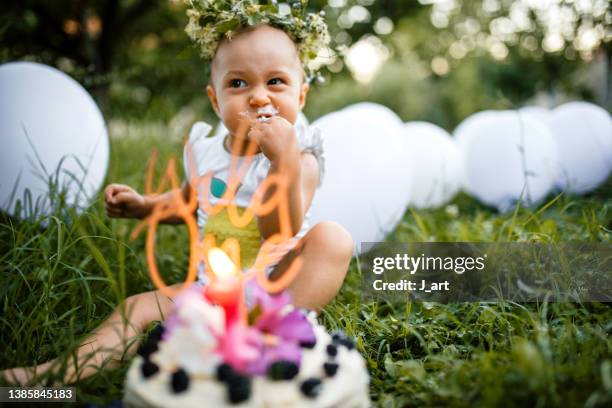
[{"x": 263, "y": 114}]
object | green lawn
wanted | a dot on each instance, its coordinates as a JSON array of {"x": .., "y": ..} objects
[{"x": 60, "y": 281}]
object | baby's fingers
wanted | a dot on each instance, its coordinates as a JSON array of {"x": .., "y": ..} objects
[
  {"x": 108, "y": 193},
  {"x": 113, "y": 189},
  {"x": 114, "y": 212},
  {"x": 125, "y": 197}
]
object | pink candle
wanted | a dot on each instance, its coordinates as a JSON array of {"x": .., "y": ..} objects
[
  {"x": 225, "y": 293},
  {"x": 225, "y": 288}
]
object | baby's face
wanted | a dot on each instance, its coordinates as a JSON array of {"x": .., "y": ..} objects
[{"x": 257, "y": 70}]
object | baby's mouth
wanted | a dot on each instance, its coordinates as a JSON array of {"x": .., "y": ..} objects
[{"x": 265, "y": 114}]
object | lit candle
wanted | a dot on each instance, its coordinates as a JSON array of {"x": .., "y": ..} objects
[{"x": 225, "y": 289}]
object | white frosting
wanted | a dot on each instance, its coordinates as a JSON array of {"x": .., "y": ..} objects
[
  {"x": 347, "y": 388},
  {"x": 262, "y": 113},
  {"x": 190, "y": 351}
]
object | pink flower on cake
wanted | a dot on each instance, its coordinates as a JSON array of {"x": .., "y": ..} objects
[
  {"x": 282, "y": 328},
  {"x": 276, "y": 332},
  {"x": 241, "y": 346}
]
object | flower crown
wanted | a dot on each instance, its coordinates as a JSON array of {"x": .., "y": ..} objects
[{"x": 210, "y": 20}]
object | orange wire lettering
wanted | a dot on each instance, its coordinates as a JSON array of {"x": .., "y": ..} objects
[{"x": 277, "y": 183}]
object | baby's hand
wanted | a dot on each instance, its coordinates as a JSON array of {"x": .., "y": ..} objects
[
  {"x": 124, "y": 202},
  {"x": 276, "y": 139}
]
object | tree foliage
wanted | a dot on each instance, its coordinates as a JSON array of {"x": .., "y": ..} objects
[{"x": 136, "y": 59}]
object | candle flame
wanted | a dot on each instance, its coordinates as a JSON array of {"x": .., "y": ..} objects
[{"x": 220, "y": 263}]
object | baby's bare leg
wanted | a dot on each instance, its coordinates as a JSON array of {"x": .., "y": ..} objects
[
  {"x": 107, "y": 344},
  {"x": 326, "y": 252}
]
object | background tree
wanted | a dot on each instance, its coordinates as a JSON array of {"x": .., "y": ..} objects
[
  {"x": 502, "y": 53},
  {"x": 436, "y": 60},
  {"x": 82, "y": 36}
]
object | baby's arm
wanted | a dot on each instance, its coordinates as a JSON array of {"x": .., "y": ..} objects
[
  {"x": 122, "y": 201},
  {"x": 277, "y": 141}
]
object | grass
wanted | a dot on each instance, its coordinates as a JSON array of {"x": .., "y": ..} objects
[{"x": 62, "y": 276}]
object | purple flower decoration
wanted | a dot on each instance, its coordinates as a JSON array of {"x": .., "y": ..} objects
[
  {"x": 240, "y": 347},
  {"x": 282, "y": 329},
  {"x": 275, "y": 332}
]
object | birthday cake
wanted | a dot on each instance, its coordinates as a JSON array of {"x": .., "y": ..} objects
[{"x": 279, "y": 357}]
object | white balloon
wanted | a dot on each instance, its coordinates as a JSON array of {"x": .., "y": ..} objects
[
  {"x": 508, "y": 157},
  {"x": 583, "y": 132},
  {"x": 463, "y": 131},
  {"x": 436, "y": 166},
  {"x": 537, "y": 112},
  {"x": 49, "y": 125},
  {"x": 365, "y": 187},
  {"x": 376, "y": 113},
  {"x": 544, "y": 116}
]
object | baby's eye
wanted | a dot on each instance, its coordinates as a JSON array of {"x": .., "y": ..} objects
[
  {"x": 275, "y": 81},
  {"x": 235, "y": 83}
]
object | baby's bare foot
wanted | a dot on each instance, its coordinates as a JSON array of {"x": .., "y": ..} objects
[
  {"x": 29, "y": 376},
  {"x": 18, "y": 376}
]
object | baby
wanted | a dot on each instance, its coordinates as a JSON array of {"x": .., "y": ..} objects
[{"x": 257, "y": 87}]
